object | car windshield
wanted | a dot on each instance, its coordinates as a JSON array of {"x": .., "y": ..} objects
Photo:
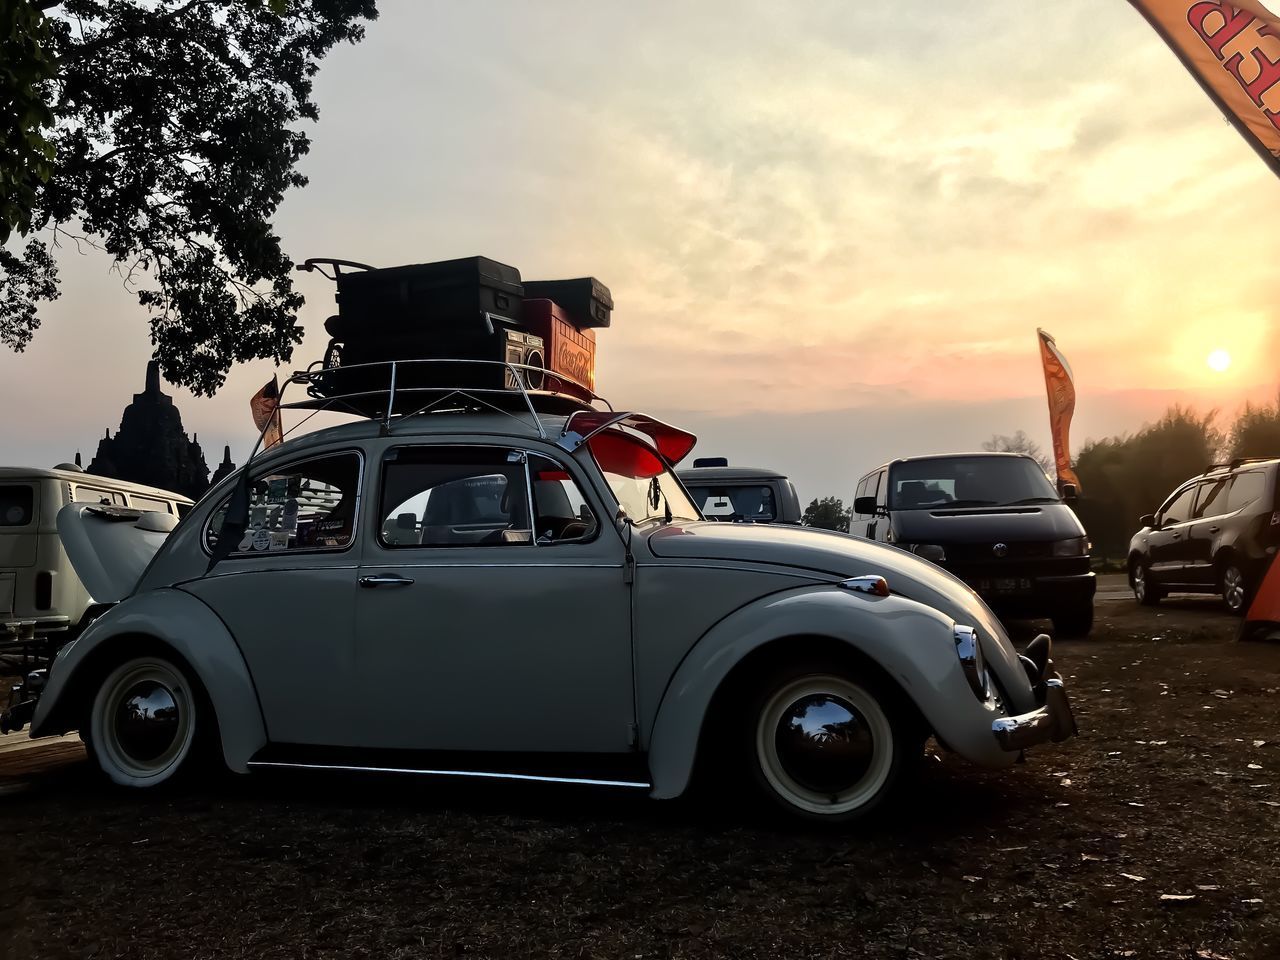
[
  {"x": 747, "y": 501},
  {"x": 968, "y": 482},
  {"x": 642, "y": 483}
]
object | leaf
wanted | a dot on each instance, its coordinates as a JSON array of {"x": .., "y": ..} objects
[
  {"x": 1133, "y": 876},
  {"x": 1177, "y": 897}
]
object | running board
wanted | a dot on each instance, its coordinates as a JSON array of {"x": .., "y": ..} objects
[{"x": 478, "y": 774}]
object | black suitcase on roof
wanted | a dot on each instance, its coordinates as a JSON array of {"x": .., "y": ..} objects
[
  {"x": 586, "y": 300},
  {"x": 425, "y": 299}
]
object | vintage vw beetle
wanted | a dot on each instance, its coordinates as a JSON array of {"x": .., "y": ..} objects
[{"x": 530, "y": 596}]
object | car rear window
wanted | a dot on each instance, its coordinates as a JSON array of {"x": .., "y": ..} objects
[{"x": 17, "y": 504}]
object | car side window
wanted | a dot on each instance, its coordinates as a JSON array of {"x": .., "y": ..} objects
[
  {"x": 308, "y": 505},
  {"x": 1178, "y": 510},
  {"x": 561, "y": 512},
  {"x": 882, "y": 489},
  {"x": 861, "y": 491},
  {"x": 1246, "y": 488},
  {"x": 1212, "y": 498},
  {"x": 454, "y": 497}
]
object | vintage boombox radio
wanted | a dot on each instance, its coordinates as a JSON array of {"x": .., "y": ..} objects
[{"x": 469, "y": 309}]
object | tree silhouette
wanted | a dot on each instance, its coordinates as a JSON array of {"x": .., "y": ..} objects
[{"x": 165, "y": 133}]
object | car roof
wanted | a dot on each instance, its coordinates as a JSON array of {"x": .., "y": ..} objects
[
  {"x": 724, "y": 474},
  {"x": 13, "y": 474},
  {"x": 947, "y": 456}
]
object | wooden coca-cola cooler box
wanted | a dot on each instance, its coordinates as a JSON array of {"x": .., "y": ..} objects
[{"x": 570, "y": 350}]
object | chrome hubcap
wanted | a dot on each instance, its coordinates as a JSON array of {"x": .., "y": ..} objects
[
  {"x": 824, "y": 745},
  {"x": 143, "y": 722},
  {"x": 1139, "y": 582},
  {"x": 1233, "y": 588},
  {"x": 146, "y": 721}
]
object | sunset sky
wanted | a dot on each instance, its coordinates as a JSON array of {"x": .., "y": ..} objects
[{"x": 831, "y": 229}]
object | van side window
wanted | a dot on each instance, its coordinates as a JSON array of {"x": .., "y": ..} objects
[
  {"x": 17, "y": 504},
  {"x": 310, "y": 505},
  {"x": 149, "y": 503},
  {"x": 454, "y": 497},
  {"x": 82, "y": 493},
  {"x": 1212, "y": 501},
  {"x": 1178, "y": 510},
  {"x": 882, "y": 489}
]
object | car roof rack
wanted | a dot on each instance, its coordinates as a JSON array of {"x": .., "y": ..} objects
[
  {"x": 1235, "y": 462},
  {"x": 399, "y": 389}
]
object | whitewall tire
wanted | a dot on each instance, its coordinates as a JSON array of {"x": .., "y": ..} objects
[
  {"x": 143, "y": 722},
  {"x": 825, "y": 747}
]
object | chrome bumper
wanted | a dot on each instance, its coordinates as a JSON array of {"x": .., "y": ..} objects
[{"x": 1054, "y": 721}]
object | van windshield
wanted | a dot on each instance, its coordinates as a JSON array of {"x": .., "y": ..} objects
[{"x": 968, "y": 482}]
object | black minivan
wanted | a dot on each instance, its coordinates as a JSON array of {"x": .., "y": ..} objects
[{"x": 992, "y": 519}]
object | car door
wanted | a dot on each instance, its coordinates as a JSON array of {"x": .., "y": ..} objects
[
  {"x": 287, "y": 593},
  {"x": 1168, "y": 542},
  {"x": 479, "y": 631},
  {"x": 1207, "y": 518},
  {"x": 878, "y": 525}
]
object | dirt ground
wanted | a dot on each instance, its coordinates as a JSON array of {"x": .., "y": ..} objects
[{"x": 1155, "y": 834}]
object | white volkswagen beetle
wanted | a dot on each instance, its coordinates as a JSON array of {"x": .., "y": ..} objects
[{"x": 528, "y": 596}]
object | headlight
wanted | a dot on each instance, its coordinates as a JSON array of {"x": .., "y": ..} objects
[
  {"x": 969, "y": 650},
  {"x": 933, "y": 552},
  {"x": 1075, "y": 547}
]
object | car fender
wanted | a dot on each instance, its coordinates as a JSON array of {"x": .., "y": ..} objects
[
  {"x": 195, "y": 633},
  {"x": 913, "y": 643}
]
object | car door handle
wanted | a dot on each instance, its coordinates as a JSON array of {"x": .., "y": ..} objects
[
  {"x": 384, "y": 580},
  {"x": 1214, "y": 529},
  {"x": 1175, "y": 536}
]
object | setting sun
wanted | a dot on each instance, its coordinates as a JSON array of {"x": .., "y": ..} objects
[{"x": 1219, "y": 361}]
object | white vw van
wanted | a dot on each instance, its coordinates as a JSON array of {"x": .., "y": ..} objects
[{"x": 40, "y": 595}]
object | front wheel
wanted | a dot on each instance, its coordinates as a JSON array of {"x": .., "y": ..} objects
[
  {"x": 1144, "y": 591},
  {"x": 827, "y": 748},
  {"x": 144, "y": 722},
  {"x": 1235, "y": 588}
]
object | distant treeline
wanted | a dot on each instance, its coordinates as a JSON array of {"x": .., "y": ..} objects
[{"x": 1123, "y": 477}]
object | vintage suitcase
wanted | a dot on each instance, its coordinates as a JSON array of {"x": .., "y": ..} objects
[
  {"x": 586, "y": 301},
  {"x": 569, "y": 350},
  {"x": 508, "y": 343},
  {"x": 425, "y": 298}
]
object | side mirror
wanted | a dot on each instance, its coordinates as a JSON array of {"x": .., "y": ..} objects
[
  {"x": 1069, "y": 492},
  {"x": 864, "y": 505},
  {"x": 1149, "y": 520}
]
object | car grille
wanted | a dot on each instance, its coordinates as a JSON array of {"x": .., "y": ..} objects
[{"x": 986, "y": 552}]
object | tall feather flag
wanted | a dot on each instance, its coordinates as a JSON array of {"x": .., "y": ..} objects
[
  {"x": 265, "y": 405},
  {"x": 1060, "y": 385},
  {"x": 1233, "y": 50}
]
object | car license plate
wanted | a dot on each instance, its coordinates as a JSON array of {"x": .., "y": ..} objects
[{"x": 1004, "y": 585}]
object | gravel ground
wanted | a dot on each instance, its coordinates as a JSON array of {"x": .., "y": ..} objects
[{"x": 1154, "y": 834}]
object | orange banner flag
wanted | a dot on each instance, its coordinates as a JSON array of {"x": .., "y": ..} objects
[
  {"x": 265, "y": 405},
  {"x": 1233, "y": 50},
  {"x": 1061, "y": 388}
]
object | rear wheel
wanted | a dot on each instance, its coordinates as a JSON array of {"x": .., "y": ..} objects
[
  {"x": 1234, "y": 587},
  {"x": 826, "y": 747},
  {"x": 1074, "y": 621},
  {"x": 1145, "y": 591},
  {"x": 145, "y": 721}
]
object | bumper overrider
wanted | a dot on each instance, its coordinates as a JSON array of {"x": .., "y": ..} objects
[{"x": 1053, "y": 720}]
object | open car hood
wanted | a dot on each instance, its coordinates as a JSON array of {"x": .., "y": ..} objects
[{"x": 110, "y": 547}]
